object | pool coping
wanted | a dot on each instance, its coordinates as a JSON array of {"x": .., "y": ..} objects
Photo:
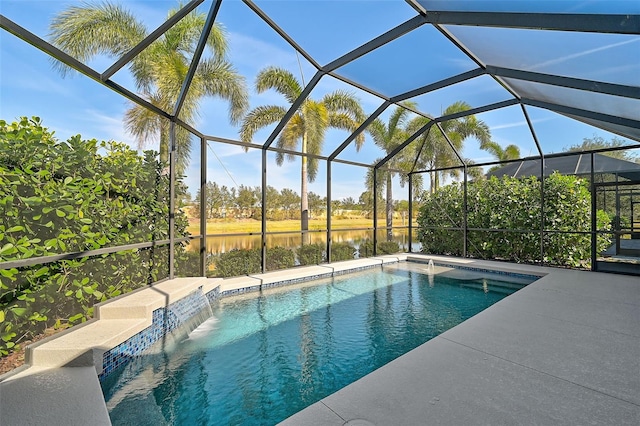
[
  {"x": 560, "y": 351},
  {"x": 117, "y": 313},
  {"x": 77, "y": 355}
]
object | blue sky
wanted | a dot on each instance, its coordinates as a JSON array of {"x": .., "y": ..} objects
[{"x": 325, "y": 29}]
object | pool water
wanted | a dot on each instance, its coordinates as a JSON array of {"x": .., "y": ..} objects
[{"x": 259, "y": 359}]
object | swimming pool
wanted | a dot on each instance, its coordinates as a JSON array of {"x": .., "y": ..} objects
[{"x": 261, "y": 358}]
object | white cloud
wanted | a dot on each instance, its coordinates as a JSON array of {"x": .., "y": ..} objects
[
  {"x": 583, "y": 53},
  {"x": 518, "y": 123},
  {"x": 96, "y": 124},
  {"x": 252, "y": 54}
]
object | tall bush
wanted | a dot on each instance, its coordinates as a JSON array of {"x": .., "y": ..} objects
[
  {"x": 383, "y": 247},
  {"x": 311, "y": 254},
  {"x": 342, "y": 251},
  {"x": 238, "y": 262},
  {"x": 514, "y": 204},
  {"x": 75, "y": 196}
]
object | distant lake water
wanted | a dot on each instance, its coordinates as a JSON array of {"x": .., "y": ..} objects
[{"x": 217, "y": 245}]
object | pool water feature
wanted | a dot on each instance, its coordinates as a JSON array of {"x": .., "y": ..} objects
[{"x": 261, "y": 358}]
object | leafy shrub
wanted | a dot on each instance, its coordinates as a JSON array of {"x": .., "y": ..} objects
[
  {"x": 74, "y": 196},
  {"x": 238, "y": 262},
  {"x": 514, "y": 204},
  {"x": 365, "y": 249},
  {"x": 311, "y": 254},
  {"x": 388, "y": 247},
  {"x": 280, "y": 258},
  {"x": 342, "y": 251},
  {"x": 383, "y": 247},
  {"x": 235, "y": 263}
]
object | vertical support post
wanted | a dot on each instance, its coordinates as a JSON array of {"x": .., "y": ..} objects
[
  {"x": 542, "y": 211},
  {"x": 618, "y": 222},
  {"x": 203, "y": 207},
  {"x": 263, "y": 226},
  {"x": 542, "y": 222},
  {"x": 375, "y": 210},
  {"x": 410, "y": 179},
  {"x": 172, "y": 198},
  {"x": 464, "y": 215},
  {"x": 594, "y": 266},
  {"x": 329, "y": 211}
]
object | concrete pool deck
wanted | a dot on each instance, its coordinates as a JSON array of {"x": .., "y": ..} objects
[{"x": 564, "y": 350}]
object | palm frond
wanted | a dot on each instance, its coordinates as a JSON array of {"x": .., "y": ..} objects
[
  {"x": 258, "y": 118},
  {"x": 280, "y": 80},
  {"x": 217, "y": 77},
  {"x": 150, "y": 129},
  {"x": 512, "y": 152},
  {"x": 95, "y": 28},
  {"x": 185, "y": 35},
  {"x": 398, "y": 117},
  {"x": 494, "y": 149},
  {"x": 316, "y": 123},
  {"x": 416, "y": 123},
  {"x": 291, "y": 135},
  {"x": 344, "y": 102},
  {"x": 344, "y": 121},
  {"x": 143, "y": 124},
  {"x": 377, "y": 130}
]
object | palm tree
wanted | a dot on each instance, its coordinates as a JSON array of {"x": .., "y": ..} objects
[
  {"x": 510, "y": 152},
  {"x": 387, "y": 137},
  {"x": 437, "y": 153},
  {"x": 307, "y": 127},
  {"x": 106, "y": 28}
]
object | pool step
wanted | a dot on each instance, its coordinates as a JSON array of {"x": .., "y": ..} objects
[{"x": 492, "y": 287}]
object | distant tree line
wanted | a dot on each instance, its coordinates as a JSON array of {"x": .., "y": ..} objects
[{"x": 245, "y": 201}]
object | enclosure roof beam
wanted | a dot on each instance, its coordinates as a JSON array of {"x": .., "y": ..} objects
[
  {"x": 282, "y": 33},
  {"x": 400, "y": 147},
  {"x": 202, "y": 43},
  {"x": 360, "y": 129},
  {"x": 415, "y": 161},
  {"x": 274, "y": 149},
  {"x": 537, "y": 157},
  {"x": 478, "y": 110},
  {"x": 25, "y": 35},
  {"x": 127, "y": 57},
  {"x": 570, "y": 82},
  {"x": 439, "y": 85},
  {"x": 532, "y": 130},
  {"x": 190, "y": 128},
  {"x": 581, "y": 22},
  {"x": 563, "y": 109},
  {"x": 455, "y": 151},
  {"x": 377, "y": 42},
  {"x": 449, "y": 36},
  {"x": 454, "y": 116},
  {"x": 294, "y": 107}
]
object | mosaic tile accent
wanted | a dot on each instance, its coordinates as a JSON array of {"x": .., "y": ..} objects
[
  {"x": 213, "y": 295},
  {"x": 173, "y": 316},
  {"x": 471, "y": 268},
  {"x": 164, "y": 320},
  {"x": 258, "y": 287}
]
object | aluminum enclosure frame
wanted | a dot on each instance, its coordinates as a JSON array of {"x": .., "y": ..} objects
[{"x": 616, "y": 24}]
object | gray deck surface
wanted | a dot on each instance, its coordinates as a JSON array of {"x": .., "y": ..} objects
[{"x": 564, "y": 350}]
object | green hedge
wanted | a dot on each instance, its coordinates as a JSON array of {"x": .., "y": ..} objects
[
  {"x": 514, "y": 204},
  {"x": 342, "y": 251},
  {"x": 311, "y": 254},
  {"x": 236, "y": 262},
  {"x": 74, "y": 196},
  {"x": 383, "y": 247}
]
